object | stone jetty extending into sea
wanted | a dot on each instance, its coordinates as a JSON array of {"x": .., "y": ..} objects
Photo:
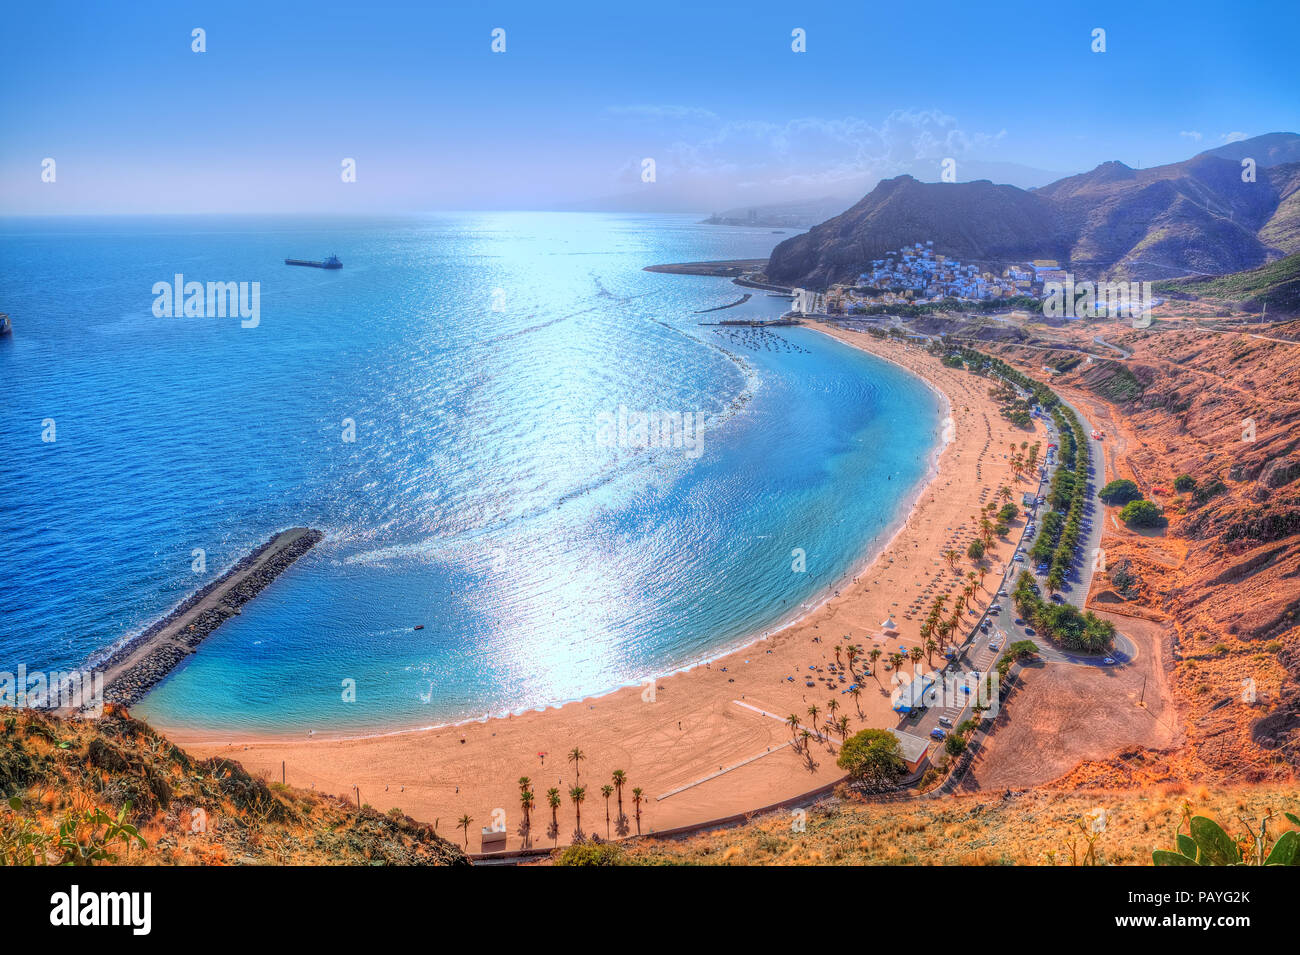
[{"x": 140, "y": 664}]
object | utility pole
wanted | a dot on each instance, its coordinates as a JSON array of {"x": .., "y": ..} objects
[{"x": 282, "y": 772}]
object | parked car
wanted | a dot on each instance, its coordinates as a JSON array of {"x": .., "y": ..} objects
[
  {"x": 1057, "y": 598},
  {"x": 945, "y": 721},
  {"x": 995, "y": 644},
  {"x": 938, "y": 733},
  {"x": 1019, "y": 622},
  {"x": 1029, "y": 631}
]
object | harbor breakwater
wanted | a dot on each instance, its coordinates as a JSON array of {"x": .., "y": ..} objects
[{"x": 140, "y": 664}]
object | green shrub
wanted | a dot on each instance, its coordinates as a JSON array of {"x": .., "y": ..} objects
[
  {"x": 1141, "y": 513},
  {"x": 591, "y": 853},
  {"x": 1120, "y": 492}
]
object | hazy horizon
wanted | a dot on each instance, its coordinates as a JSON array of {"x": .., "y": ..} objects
[{"x": 263, "y": 119}]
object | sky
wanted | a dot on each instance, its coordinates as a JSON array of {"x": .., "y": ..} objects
[{"x": 136, "y": 121}]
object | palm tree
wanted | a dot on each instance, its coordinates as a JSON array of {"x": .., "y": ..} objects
[
  {"x": 857, "y": 692},
  {"x": 944, "y": 628},
  {"x": 464, "y": 824},
  {"x": 578, "y": 794},
  {"x": 793, "y": 722},
  {"x": 805, "y": 736},
  {"x": 915, "y": 653},
  {"x": 576, "y": 756},
  {"x": 553, "y": 799},
  {"x": 812, "y": 712},
  {"x": 832, "y": 706},
  {"x": 844, "y": 727},
  {"x": 930, "y": 647},
  {"x": 636, "y": 802},
  {"x": 526, "y": 803},
  {"x": 875, "y": 655},
  {"x": 525, "y": 783},
  {"x": 607, "y": 790},
  {"x": 837, "y": 655},
  {"x": 620, "y": 779},
  {"x": 951, "y": 556}
]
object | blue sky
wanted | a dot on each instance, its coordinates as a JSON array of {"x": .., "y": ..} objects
[{"x": 137, "y": 122}]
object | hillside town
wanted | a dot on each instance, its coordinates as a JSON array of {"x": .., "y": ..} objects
[{"x": 916, "y": 274}]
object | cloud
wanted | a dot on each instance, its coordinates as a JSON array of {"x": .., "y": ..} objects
[
  {"x": 825, "y": 153},
  {"x": 1233, "y": 137},
  {"x": 1191, "y": 134}
]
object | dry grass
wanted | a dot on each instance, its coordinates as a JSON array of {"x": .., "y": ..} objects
[
  {"x": 1031, "y": 828},
  {"x": 188, "y": 811}
]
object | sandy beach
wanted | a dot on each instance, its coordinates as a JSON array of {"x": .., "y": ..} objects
[{"x": 709, "y": 742}]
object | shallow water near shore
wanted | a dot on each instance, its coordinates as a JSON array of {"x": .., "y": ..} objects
[{"x": 474, "y": 355}]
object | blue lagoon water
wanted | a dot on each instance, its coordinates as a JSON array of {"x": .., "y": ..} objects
[{"x": 474, "y": 354}]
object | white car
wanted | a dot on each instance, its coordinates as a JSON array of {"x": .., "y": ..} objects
[{"x": 995, "y": 644}]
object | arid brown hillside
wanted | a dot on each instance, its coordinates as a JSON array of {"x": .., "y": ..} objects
[
  {"x": 1223, "y": 409},
  {"x": 1032, "y": 827},
  {"x": 82, "y": 774}
]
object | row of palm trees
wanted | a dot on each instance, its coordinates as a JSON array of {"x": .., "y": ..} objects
[{"x": 578, "y": 795}]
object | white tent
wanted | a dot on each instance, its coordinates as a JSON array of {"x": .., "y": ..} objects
[{"x": 888, "y": 624}]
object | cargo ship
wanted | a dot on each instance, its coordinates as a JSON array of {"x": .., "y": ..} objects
[{"x": 331, "y": 263}]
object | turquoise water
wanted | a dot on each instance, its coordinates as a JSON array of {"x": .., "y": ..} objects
[{"x": 474, "y": 353}]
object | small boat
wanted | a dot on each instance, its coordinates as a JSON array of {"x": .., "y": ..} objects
[
  {"x": 419, "y": 626},
  {"x": 330, "y": 263},
  {"x": 6, "y": 326}
]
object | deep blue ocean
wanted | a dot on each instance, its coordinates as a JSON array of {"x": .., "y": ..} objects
[{"x": 474, "y": 354}]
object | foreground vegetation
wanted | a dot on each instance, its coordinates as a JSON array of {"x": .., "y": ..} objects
[
  {"x": 86, "y": 792},
  {"x": 1039, "y": 827}
]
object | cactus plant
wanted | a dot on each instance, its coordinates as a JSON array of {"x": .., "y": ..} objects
[{"x": 1208, "y": 843}]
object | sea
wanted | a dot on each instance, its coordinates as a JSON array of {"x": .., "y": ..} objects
[{"x": 460, "y": 409}]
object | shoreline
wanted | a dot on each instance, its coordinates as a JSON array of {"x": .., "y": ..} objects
[
  {"x": 708, "y": 741},
  {"x": 816, "y": 601},
  {"x": 145, "y": 660}
]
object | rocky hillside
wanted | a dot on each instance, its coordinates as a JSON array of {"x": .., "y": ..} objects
[
  {"x": 1273, "y": 289},
  {"x": 1207, "y": 424},
  {"x": 969, "y": 220},
  {"x": 1196, "y": 216},
  {"x": 1034, "y": 827},
  {"x": 114, "y": 791}
]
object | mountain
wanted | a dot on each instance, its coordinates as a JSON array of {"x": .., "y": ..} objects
[
  {"x": 971, "y": 220},
  {"x": 1271, "y": 149},
  {"x": 1196, "y": 216}
]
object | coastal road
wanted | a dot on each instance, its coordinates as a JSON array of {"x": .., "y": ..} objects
[{"x": 977, "y": 655}]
